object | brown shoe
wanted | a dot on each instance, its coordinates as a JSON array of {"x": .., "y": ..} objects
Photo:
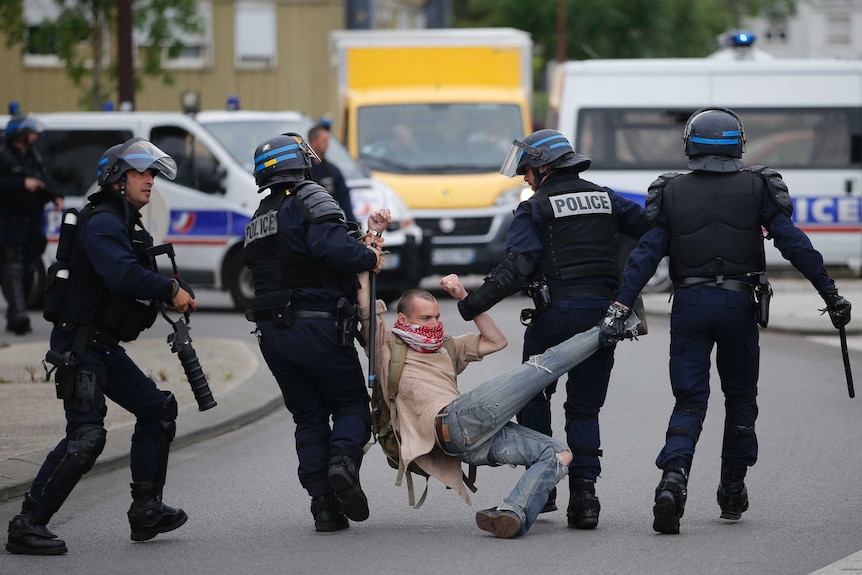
[{"x": 501, "y": 523}]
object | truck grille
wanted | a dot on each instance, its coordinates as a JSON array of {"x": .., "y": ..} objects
[{"x": 463, "y": 226}]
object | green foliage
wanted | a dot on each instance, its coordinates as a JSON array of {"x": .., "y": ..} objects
[
  {"x": 621, "y": 28},
  {"x": 84, "y": 37}
]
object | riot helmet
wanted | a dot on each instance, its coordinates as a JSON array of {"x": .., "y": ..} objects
[
  {"x": 135, "y": 154},
  {"x": 714, "y": 132},
  {"x": 21, "y": 124},
  {"x": 284, "y": 158},
  {"x": 544, "y": 147}
]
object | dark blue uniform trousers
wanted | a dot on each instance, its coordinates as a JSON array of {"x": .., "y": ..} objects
[
  {"x": 120, "y": 380},
  {"x": 319, "y": 379},
  {"x": 586, "y": 386},
  {"x": 704, "y": 317}
]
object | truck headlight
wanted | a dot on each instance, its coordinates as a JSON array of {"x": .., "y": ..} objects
[{"x": 513, "y": 196}]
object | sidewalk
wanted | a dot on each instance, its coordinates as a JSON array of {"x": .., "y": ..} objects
[{"x": 32, "y": 421}]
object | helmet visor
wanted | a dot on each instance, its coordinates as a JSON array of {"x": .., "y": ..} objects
[
  {"x": 21, "y": 123},
  {"x": 509, "y": 168},
  {"x": 143, "y": 155}
]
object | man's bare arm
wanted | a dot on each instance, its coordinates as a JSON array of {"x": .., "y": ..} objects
[{"x": 491, "y": 338}]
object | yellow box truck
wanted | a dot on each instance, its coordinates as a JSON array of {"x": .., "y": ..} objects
[{"x": 432, "y": 113}]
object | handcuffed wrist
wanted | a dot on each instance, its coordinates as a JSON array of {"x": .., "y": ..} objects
[{"x": 375, "y": 233}]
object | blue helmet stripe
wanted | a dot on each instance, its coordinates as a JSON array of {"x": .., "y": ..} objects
[
  {"x": 273, "y": 161},
  {"x": 730, "y": 133},
  {"x": 550, "y": 138},
  {"x": 276, "y": 151},
  {"x": 728, "y": 141}
]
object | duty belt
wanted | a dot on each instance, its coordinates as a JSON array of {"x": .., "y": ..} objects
[
  {"x": 712, "y": 281},
  {"x": 574, "y": 291},
  {"x": 273, "y": 314}
]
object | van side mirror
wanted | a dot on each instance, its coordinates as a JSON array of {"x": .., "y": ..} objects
[{"x": 212, "y": 181}]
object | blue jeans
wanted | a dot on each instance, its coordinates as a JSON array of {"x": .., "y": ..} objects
[{"x": 481, "y": 433}]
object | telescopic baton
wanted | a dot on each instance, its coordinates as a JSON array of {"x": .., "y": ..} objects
[
  {"x": 846, "y": 356},
  {"x": 372, "y": 325}
]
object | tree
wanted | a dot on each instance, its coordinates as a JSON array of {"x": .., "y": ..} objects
[
  {"x": 621, "y": 28},
  {"x": 83, "y": 35}
]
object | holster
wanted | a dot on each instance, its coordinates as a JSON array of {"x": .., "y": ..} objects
[
  {"x": 67, "y": 368},
  {"x": 347, "y": 322},
  {"x": 762, "y": 295},
  {"x": 540, "y": 294}
]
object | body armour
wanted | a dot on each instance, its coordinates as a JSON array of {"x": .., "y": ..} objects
[
  {"x": 715, "y": 224},
  {"x": 578, "y": 229},
  {"x": 90, "y": 303},
  {"x": 275, "y": 268}
]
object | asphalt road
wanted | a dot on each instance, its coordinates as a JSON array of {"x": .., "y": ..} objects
[{"x": 249, "y": 515}]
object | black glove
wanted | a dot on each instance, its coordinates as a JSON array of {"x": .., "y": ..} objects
[
  {"x": 837, "y": 306},
  {"x": 613, "y": 325}
]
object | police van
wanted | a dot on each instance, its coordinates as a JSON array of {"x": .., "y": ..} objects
[
  {"x": 801, "y": 117},
  {"x": 203, "y": 212}
]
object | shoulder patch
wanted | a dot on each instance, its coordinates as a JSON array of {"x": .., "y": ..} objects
[{"x": 316, "y": 203}]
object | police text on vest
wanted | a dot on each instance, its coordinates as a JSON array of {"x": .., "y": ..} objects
[
  {"x": 581, "y": 204},
  {"x": 261, "y": 226}
]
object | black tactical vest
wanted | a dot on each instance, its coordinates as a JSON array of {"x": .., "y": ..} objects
[
  {"x": 275, "y": 268},
  {"x": 90, "y": 303},
  {"x": 715, "y": 224},
  {"x": 578, "y": 229}
]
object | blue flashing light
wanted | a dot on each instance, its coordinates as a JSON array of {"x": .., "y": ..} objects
[
  {"x": 233, "y": 102},
  {"x": 108, "y": 106},
  {"x": 14, "y": 108},
  {"x": 325, "y": 121},
  {"x": 741, "y": 39}
]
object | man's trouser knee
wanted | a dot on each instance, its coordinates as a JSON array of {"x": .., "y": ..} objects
[{"x": 83, "y": 447}]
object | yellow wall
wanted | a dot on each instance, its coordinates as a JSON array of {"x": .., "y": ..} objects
[{"x": 301, "y": 81}]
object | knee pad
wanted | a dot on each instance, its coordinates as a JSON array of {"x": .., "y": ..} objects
[
  {"x": 168, "y": 416},
  {"x": 84, "y": 446}
]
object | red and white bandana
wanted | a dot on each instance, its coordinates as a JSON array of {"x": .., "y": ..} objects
[{"x": 422, "y": 338}]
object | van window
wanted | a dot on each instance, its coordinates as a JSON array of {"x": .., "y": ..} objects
[
  {"x": 242, "y": 136},
  {"x": 73, "y": 155},
  {"x": 437, "y": 138},
  {"x": 790, "y": 138},
  {"x": 197, "y": 167}
]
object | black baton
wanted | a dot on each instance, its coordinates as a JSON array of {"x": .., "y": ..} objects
[
  {"x": 372, "y": 324},
  {"x": 844, "y": 354}
]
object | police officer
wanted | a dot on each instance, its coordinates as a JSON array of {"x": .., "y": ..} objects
[
  {"x": 709, "y": 222},
  {"x": 112, "y": 297},
  {"x": 24, "y": 190},
  {"x": 304, "y": 266},
  {"x": 326, "y": 173},
  {"x": 562, "y": 244}
]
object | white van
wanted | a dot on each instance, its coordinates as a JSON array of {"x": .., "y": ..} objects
[
  {"x": 204, "y": 211},
  {"x": 801, "y": 117}
]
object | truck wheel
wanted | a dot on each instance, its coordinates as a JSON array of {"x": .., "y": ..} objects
[
  {"x": 36, "y": 298},
  {"x": 237, "y": 280},
  {"x": 660, "y": 281}
]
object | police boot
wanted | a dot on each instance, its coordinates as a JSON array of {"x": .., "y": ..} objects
[
  {"x": 343, "y": 477},
  {"x": 148, "y": 516},
  {"x": 17, "y": 320},
  {"x": 670, "y": 496},
  {"x": 584, "y": 507},
  {"x": 551, "y": 503},
  {"x": 327, "y": 513},
  {"x": 732, "y": 494},
  {"x": 29, "y": 536}
]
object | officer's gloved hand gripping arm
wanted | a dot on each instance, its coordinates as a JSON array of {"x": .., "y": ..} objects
[{"x": 507, "y": 279}]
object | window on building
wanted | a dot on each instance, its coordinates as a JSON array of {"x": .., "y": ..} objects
[
  {"x": 255, "y": 43},
  {"x": 196, "y": 52},
  {"x": 838, "y": 29},
  {"x": 39, "y": 49}
]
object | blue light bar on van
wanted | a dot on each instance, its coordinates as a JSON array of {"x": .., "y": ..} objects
[{"x": 741, "y": 39}]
